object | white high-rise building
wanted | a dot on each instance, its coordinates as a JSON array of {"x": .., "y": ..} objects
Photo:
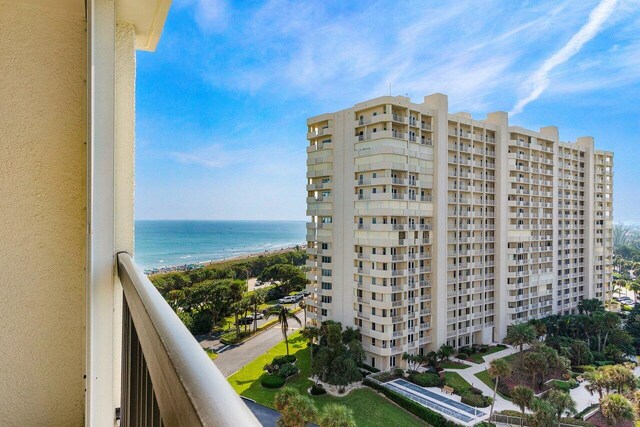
[{"x": 430, "y": 228}]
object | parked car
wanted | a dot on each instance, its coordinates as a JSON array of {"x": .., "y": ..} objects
[
  {"x": 258, "y": 316},
  {"x": 306, "y": 293},
  {"x": 288, "y": 299}
]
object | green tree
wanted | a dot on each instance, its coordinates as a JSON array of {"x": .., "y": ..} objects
[
  {"x": 288, "y": 276},
  {"x": 311, "y": 333},
  {"x": 256, "y": 298},
  {"x": 619, "y": 378},
  {"x": 596, "y": 383},
  {"x": 580, "y": 353},
  {"x": 536, "y": 364},
  {"x": 284, "y": 314},
  {"x": 590, "y": 306},
  {"x": 498, "y": 368},
  {"x": 616, "y": 408},
  {"x": 337, "y": 360},
  {"x": 520, "y": 334},
  {"x": 294, "y": 408},
  {"x": 562, "y": 401},
  {"x": 635, "y": 288},
  {"x": 544, "y": 413},
  {"x": 334, "y": 415},
  {"x": 522, "y": 396},
  {"x": 445, "y": 352},
  {"x": 237, "y": 288},
  {"x": 303, "y": 306}
]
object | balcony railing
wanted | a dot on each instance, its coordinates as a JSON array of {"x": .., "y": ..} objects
[{"x": 167, "y": 379}]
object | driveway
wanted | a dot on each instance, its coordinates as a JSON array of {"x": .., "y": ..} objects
[{"x": 235, "y": 357}]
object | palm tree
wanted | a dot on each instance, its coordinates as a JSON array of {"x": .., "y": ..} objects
[
  {"x": 236, "y": 292},
  {"x": 522, "y": 396},
  {"x": 294, "y": 408},
  {"x": 335, "y": 415},
  {"x": 284, "y": 314},
  {"x": 498, "y": 368},
  {"x": 635, "y": 288},
  {"x": 562, "y": 401},
  {"x": 520, "y": 334},
  {"x": 590, "y": 306},
  {"x": 245, "y": 306},
  {"x": 303, "y": 306},
  {"x": 311, "y": 333},
  {"x": 445, "y": 352},
  {"x": 536, "y": 363},
  {"x": 256, "y": 298},
  {"x": 616, "y": 407},
  {"x": 544, "y": 414},
  {"x": 597, "y": 383}
]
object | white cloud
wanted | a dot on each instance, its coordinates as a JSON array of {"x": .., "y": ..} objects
[
  {"x": 211, "y": 15},
  {"x": 215, "y": 156},
  {"x": 539, "y": 81}
]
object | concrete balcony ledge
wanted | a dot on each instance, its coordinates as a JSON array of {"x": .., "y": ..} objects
[{"x": 167, "y": 378}]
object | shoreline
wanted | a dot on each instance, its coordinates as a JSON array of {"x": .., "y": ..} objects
[{"x": 203, "y": 264}]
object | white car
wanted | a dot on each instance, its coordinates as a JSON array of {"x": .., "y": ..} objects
[{"x": 288, "y": 299}]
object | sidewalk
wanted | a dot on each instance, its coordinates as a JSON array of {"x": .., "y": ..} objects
[{"x": 469, "y": 375}]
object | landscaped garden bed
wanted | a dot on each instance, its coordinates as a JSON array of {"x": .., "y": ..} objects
[
  {"x": 369, "y": 407},
  {"x": 476, "y": 353}
]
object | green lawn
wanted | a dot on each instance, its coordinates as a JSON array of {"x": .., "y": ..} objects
[
  {"x": 454, "y": 365},
  {"x": 369, "y": 407},
  {"x": 485, "y": 378},
  {"x": 453, "y": 379},
  {"x": 478, "y": 357}
]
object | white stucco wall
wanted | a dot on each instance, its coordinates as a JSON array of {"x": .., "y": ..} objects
[{"x": 42, "y": 212}]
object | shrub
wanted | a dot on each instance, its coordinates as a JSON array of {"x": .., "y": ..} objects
[
  {"x": 477, "y": 401},
  {"x": 597, "y": 356},
  {"x": 272, "y": 381},
  {"x": 270, "y": 367},
  {"x": 231, "y": 338},
  {"x": 474, "y": 390},
  {"x": 503, "y": 389},
  {"x": 369, "y": 368},
  {"x": 604, "y": 362},
  {"x": 317, "y": 390},
  {"x": 398, "y": 372},
  {"x": 431, "y": 417},
  {"x": 561, "y": 385},
  {"x": 281, "y": 360},
  {"x": 427, "y": 380},
  {"x": 287, "y": 370},
  {"x": 202, "y": 322},
  {"x": 463, "y": 356}
]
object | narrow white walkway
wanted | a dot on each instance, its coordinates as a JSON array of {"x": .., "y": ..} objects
[{"x": 469, "y": 375}]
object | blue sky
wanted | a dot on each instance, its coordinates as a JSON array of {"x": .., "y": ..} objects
[{"x": 222, "y": 104}]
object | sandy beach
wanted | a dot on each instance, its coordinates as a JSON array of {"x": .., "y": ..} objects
[{"x": 189, "y": 267}]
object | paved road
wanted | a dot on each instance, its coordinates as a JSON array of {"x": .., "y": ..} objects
[{"x": 235, "y": 357}]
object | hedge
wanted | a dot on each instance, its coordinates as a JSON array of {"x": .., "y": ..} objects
[
  {"x": 272, "y": 381},
  {"x": 427, "y": 380},
  {"x": 369, "y": 368},
  {"x": 422, "y": 412},
  {"x": 475, "y": 400}
]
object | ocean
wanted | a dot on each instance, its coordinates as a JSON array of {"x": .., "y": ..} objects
[{"x": 172, "y": 243}]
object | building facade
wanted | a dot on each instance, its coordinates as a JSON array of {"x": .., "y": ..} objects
[{"x": 430, "y": 228}]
